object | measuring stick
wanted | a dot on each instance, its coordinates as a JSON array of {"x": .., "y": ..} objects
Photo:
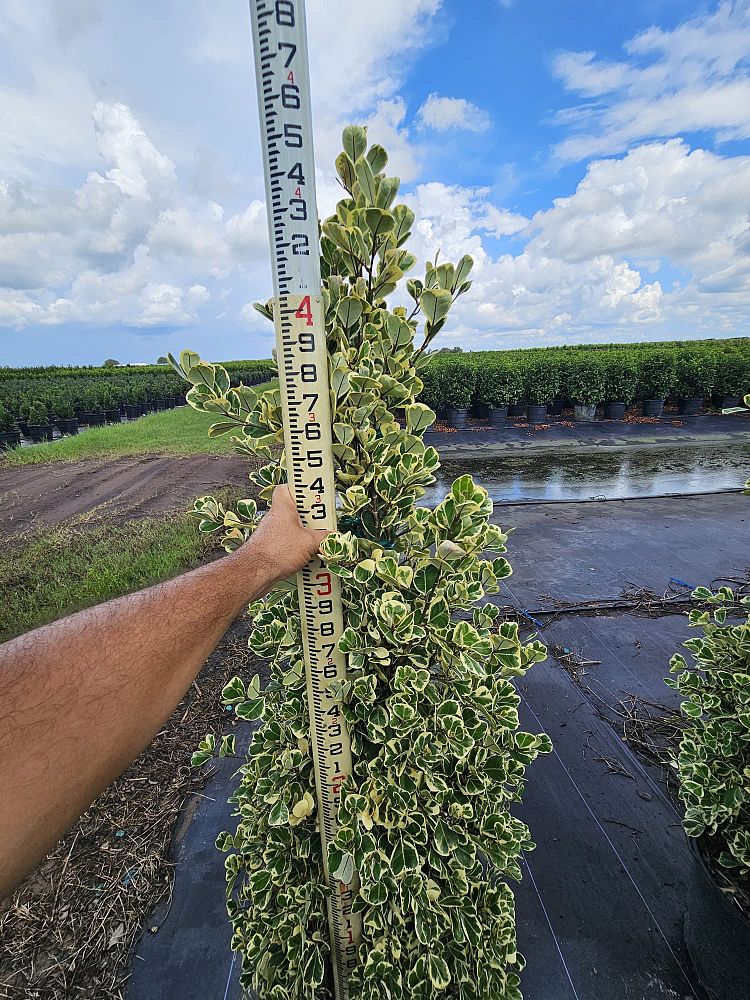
[{"x": 283, "y": 83}]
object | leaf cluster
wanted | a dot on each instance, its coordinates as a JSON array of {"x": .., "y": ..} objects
[
  {"x": 713, "y": 763},
  {"x": 439, "y": 759}
]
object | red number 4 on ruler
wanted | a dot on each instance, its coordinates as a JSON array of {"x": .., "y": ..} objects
[{"x": 305, "y": 311}]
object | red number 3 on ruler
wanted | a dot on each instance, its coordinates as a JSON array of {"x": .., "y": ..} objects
[{"x": 305, "y": 311}]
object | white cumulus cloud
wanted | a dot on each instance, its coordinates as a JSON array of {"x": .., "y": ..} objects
[
  {"x": 443, "y": 113},
  {"x": 694, "y": 78}
]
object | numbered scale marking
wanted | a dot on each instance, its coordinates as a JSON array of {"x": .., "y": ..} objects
[{"x": 282, "y": 75}]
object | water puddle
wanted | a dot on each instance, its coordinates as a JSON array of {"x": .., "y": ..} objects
[{"x": 610, "y": 473}]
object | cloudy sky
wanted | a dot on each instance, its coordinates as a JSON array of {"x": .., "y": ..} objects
[{"x": 593, "y": 156}]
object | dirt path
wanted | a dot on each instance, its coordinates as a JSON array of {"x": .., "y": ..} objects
[{"x": 132, "y": 486}]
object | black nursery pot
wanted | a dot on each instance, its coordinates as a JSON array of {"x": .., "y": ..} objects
[
  {"x": 23, "y": 427},
  {"x": 536, "y": 414},
  {"x": 67, "y": 425},
  {"x": 39, "y": 432},
  {"x": 614, "y": 411},
  {"x": 584, "y": 412},
  {"x": 131, "y": 412},
  {"x": 727, "y": 402},
  {"x": 457, "y": 418},
  {"x": 9, "y": 439},
  {"x": 96, "y": 419},
  {"x": 498, "y": 416},
  {"x": 113, "y": 416},
  {"x": 517, "y": 410},
  {"x": 160, "y": 404},
  {"x": 482, "y": 411},
  {"x": 556, "y": 408},
  {"x": 717, "y": 935},
  {"x": 690, "y": 406},
  {"x": 652, "y": 407}
]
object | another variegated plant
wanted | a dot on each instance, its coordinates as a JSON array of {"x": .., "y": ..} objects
[
  {"x": 713, "y": 763},
  {"x": 438, "y": 756}
]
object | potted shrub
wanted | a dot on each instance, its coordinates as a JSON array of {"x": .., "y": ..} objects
[
  {"x": 132, "y": 410},
  {"x": 542, "y": 386},
  {"x": 498, "y": 385},
  {"x": 457, "y": 380},
  {"x": 713, "y": 767},
  {"x": 107, "y": 400},
  {"x": 136, "y": 405},
  {"x": 424, "y": 819},
  {"x": 67, "y": 422},
  {"x": 10, "y": 436},
  {"x": 620, "y": 383},
  {"x": 81, "y": 406},
  {"x": 731, "y": 379},
  {"x": 562, "y": 361},
  {"x": 695, "y": 376},
  {"x": 585, "y": 385},
  {"x": 96, "y": 415},
  {"x": 656, "y": 379},
  {"x": 22, "y": 420},
  {"x": 38, "y": 429}
]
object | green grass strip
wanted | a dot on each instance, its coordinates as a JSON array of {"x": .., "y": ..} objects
[{"x": 56, "y": 571}]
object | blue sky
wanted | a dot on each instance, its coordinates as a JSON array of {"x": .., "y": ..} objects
[{"x": 593, "y": 157}]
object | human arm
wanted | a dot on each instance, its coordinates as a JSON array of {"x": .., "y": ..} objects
[{"x": 80, "y": 698}]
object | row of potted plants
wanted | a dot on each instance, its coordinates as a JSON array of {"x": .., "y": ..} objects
[
  {"x": 535, "y": 383},
  {"x": 38, "y": 424},
  {"x": 65, "y": 394}
]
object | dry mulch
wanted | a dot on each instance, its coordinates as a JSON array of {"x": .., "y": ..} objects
[{"x": 69, "y": 930}]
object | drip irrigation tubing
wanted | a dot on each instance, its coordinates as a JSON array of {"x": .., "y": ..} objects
[
  {"x": 646, "y": 601},
  {"x": 530, "y": 501}
]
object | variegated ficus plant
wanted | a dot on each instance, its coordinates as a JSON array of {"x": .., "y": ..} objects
[
  {"x": 438, "y": 755},
  {"x": 713, "y": 761}
]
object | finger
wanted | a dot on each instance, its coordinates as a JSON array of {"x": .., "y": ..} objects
[{"x": 282, "y": 496}]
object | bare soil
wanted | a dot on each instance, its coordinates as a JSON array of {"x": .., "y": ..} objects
[{"x": 132, "y": 486}]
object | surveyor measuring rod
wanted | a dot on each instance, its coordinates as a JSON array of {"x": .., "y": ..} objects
[{"x": 283, "y": 83}]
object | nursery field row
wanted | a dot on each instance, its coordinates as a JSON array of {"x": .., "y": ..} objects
[
  {"x": 43, "y": 397},
  {"x": 585, "y": 375},
  {"x": 164, "y": 430},
  {"x": 496, "y": 379}
]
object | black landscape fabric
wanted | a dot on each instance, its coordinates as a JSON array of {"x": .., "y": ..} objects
[{"x": 601, "y": 906}]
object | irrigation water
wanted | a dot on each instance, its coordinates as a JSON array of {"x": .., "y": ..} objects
[{"x": 596, "y": 473}]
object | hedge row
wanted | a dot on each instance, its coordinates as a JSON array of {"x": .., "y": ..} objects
[
  {"x": 95, "y": 371},
  {"x": 68, "y": 391},
  {"x": 688, "y": 369}
]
